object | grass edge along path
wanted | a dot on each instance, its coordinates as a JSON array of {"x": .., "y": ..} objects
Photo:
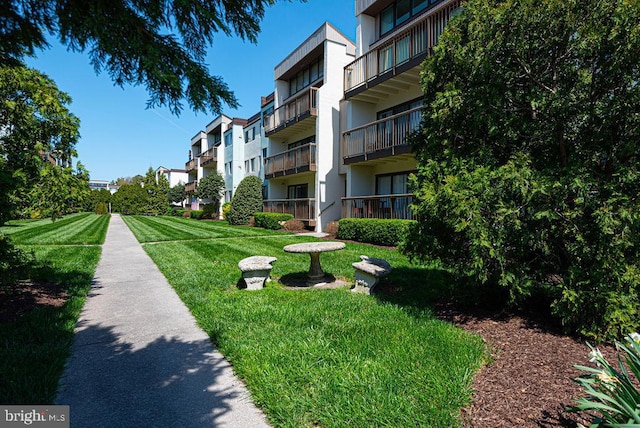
[
  {"x": 326, "y": 357},
  {"x": 34, "y": 347}
]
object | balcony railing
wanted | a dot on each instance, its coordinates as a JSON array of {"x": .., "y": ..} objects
[
  {"x": 191, "y": 165},
  {"x": 190, "y": 187},
  {"x": 385, "y": 137},
  {"x": 300, "y": 209},
  {"x": 379, "y": 206},
  {"x": 292, "y": 111},
  {"x": 209, "y": 156},
  {"x": 294, "y": 161},
  {"x": 413, "y": 43}
]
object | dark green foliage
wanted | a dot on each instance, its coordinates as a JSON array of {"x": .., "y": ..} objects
[
  {"x": 211, "y": 187},
  {"x": 210, "y": 211},
  {"x": 96, "y": 197},
  {"x": 161, "y": 45},
  {"x": 176, "y": 194},
  {"x": 130, "y": 199},
  {"x": 373, "y": 230},
  {"x": 529, "y": 171},
  {"x": 246, "y": 201},
  {"x": 102, "y": 208},
  {"x": 60, "y": 191},
  {"x": 13, "y": 264},
  {"x": 34, "y": 119},
  {"x": 179, "y": 212},
  {"x": 196, "y": 214},
  {"x": 273, "y": 221},
  {"x": 157, "y": 192}
]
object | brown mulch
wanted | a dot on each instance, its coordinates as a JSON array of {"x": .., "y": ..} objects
[
  {"x": 528, "y": 382},
  {"x": 27, "y": 296}
]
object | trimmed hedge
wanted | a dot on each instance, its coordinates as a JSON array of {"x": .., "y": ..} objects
[
  {"x": 273, "y": 221},
  {"x": 196, "y": 214},
  {"x": 374, "y": 230},
  {"x": 246, "y": 201},
  {"x": 211, "y": 210}
]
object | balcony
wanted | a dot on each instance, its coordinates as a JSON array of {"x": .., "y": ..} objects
[
  {"x": 296, "y": 115},
  {"x": 378, "y": 206},
  {"x": 191, "y": 165},
  {"x": 382, "y": 138},
  {"x": 209, "y": 157},
  {"x": 301, "y": 209},
  {"x": 391, "y": 65},
  {"x": 294, "y": 161},
  {"x": 190, "y": 187}
]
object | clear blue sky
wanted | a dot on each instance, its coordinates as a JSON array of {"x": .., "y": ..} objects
[{"x": 121, "y": 138}]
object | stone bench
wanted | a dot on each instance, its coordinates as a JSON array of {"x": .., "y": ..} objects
[
  {"x": 255, "y": 270},
  {"x": 369, "y": 271}
]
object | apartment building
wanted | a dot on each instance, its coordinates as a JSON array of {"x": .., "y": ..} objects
[
  {"x": 382, "y": 102},
  {"x": 301, "y": 168},
  {"x": 173, "y": 176}
]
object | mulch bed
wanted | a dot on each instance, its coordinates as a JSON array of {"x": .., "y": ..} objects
[
  {"x": 27, "y": 296},
  {"x": 529, "y": 382}
]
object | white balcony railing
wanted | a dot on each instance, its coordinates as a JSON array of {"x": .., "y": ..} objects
[
  {"x": 378, "y": 206},
  {"x": 414, "y": 42},
  {"x": 387, "y": 133}
]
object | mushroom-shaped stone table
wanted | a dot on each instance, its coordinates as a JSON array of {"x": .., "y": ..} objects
[{"x": 314, "y": 249}]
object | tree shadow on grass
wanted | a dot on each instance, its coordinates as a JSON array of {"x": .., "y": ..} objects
[{"x": 37, "y": 331}]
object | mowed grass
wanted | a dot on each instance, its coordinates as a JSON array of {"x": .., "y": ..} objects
[
  {"x": 328, "y": 358},
  {"x": 35, "y": 346},
  {"x": 155, "y": 229},
  {"x": 75, "y": 229}
]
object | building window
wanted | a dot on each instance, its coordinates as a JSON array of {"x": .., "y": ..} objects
[
  {"x": 253, "y": 164},
  {"x": 264, "y": 153},
  {"x": 298, "y": 191},
  {"x": 400, "y": 11},
  {"x": 308, "y": 140},
  {"x": 246, "y": 166},
  {"x": 308, "y": 76},
  {"x": 250, "y": 135},
  {"x": 228, "y": 139}
]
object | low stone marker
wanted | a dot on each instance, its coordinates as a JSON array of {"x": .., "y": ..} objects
[
  {"x": 255, "y": 270},
  {"x": 369, "y": 271}
]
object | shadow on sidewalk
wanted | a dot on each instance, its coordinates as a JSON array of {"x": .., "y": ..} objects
[{"x": 168, "y": 382}]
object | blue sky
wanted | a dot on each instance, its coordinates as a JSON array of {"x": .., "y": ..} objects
[{"x": 121, "y": 138}]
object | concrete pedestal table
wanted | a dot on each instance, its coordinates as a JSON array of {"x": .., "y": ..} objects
[{"x": 314, "y": 249}]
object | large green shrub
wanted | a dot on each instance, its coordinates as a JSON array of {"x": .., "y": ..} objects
[
  {"x": 528, "y": 168},
  {"x": 373, "y": 230},
  {"x": 102, "y": 208},
  {"x": 196, "y": 214},
  {"x": 211, "y": 210},
  {"x": 246, "y": 201},
  {"x": 273, "y": 221}
]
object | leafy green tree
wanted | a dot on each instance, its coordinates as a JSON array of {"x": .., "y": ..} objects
[
  {"x": 130, "y": 199},
  {"x": 246, "y": 201},
  {"x": 61, "y": 190},
  {"x": 159, "y": 44},
  {"x": 177, "y": 194},
  {"x": 211, "y": 188},
  {"x": 529, "y": 171},
  {"x": 34, "y": 119},
  {"x": 157, "y": 193},
  {"x": 100, "y": 196}
]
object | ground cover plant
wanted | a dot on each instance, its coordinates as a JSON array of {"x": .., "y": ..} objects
[
  {"x": 326, "y": 357},
  {"x": 37, "y": 318}
]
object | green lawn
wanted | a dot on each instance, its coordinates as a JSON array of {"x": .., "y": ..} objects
[
  {"x": 327, "y": 358},
  {"x": 34, "y": 347},
  {"x": 154, "y": 229}
]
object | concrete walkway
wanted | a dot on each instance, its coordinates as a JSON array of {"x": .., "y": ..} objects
[{"x": 139, "y": 359}]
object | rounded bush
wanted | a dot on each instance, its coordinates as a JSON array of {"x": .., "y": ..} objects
[
  {"x": 246, "y": 202},
  {"x": 273, "y": 221}
]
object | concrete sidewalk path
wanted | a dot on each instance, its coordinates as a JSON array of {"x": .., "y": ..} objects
[{"x": 138, "y": 357}]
